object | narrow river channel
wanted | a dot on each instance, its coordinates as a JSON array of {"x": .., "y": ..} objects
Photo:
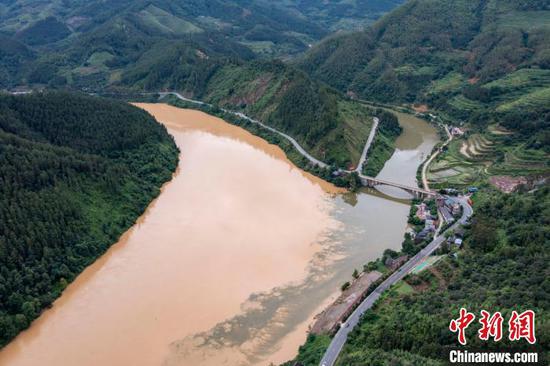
[{"x": 230, "y": 264}]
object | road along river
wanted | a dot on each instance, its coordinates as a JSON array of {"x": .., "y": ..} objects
[
  {"x": 412, "y": 147},
  {"x": 227, "y": 267}
]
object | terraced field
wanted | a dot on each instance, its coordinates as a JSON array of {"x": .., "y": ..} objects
[
  {"x": 161, "y": 21},
  {"x": 471, "y": 160},
  {"x": 535, "y": 99},
  {"x": 460, "y": 102},
  {"x": 518, "y": 160}
]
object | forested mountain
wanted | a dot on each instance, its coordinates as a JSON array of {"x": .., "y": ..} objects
[
  {"x": 102, "y": 36},
  {"x": 75, "y": 173},
  {"x": 475, "y": 60},
  {"x": 209, "y": 50},
  {"x": 332, "y": 128},
  {"x": 503, "y": 267}
]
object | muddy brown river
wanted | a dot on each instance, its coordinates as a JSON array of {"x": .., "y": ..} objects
[{"x": 229, "y": 265}]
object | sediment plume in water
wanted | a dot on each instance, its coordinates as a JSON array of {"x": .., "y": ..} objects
[{"x": 229, "y": 265}]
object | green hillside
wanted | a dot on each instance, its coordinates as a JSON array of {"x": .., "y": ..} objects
[
  {"x": 332, "y": 128},
  {"x": 42, "y": 32},
  {"x": 502, "y": 267},
  {"x": 474, "y": 61},
  {"x": 269, "y": 28},
  {"x": 75, "y": 173},
  {"x": 13, "y": 56},
  {"x": 210, "y": 50},
  {"x": 65, "y": 35}
]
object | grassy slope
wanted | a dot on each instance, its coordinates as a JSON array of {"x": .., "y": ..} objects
[
  {"x": 328, "y": 126},
  {"x": 381, "y": 150},
  {"x": 383, "y": 145}
]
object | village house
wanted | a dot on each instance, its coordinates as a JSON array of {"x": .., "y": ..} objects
[
  {"x": 455, "y": 131},
  {"x": 455, "y": 209},
  {"x": 430, "y": 224},
  {"x": 395, "y": 263},
  {"x": 449, "y": 208},
  {"x": 456, "y": 238},
  {"x": 411, "y": 232},
  {"x": 422, "y": 211},
  {"x": 422, "y": 235}
]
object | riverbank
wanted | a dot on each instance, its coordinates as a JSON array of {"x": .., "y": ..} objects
[
  {"x": 237, "y": 206},
  {"x": 293, "y": 150},
  {"x": 178, "y": 118},
  {"x": 73, "y": 181}
]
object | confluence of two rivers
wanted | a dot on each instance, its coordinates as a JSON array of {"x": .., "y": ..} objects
[{"x": 230, "y": 264}]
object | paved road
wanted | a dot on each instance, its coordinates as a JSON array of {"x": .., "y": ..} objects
[
  {"x": 300, "y": 149},
  {"x": 427, "y": 163},
  {"x": 295, "y": 143},
  {"x": 366, "y": 149},
  {"x": 341, "y": 336}
]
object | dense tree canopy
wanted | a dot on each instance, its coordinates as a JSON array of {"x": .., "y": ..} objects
[{"x": 75, "y": 173}]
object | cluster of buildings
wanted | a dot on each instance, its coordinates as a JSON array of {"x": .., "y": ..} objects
[
  {"x": 449, "y": 208},
  {"x": 430, "y": 223},
  {"x": 456, "y": 238}
]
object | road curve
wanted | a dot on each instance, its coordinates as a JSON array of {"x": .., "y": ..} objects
[
  {"x": 337, "y": 343},
  {"x": 294, "y": 143},
  {"x": 366, "y": 149},
  {"x": 432, "y": 157},
  {"x": 300, "y": 149}
]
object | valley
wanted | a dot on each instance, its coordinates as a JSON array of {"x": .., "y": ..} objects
[
  {"x": 195, "y": 182},
  {"x": 263, "y": 316}
]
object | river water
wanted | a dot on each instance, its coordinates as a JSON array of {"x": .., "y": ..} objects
[{"x": 230, "y": 264}]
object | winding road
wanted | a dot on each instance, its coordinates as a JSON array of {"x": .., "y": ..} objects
[
  {"x": 366, "y": 149},
  {"x": 294, "y": 143},
  {"x": 370, "y": 181},
  {"x": 432, "y": 157},
  {"x": 338, "y": 341}
]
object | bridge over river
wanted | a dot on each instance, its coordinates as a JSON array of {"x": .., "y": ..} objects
[
  {"x": 365, "y": 180},
  {"x": 415, "y": 191}
]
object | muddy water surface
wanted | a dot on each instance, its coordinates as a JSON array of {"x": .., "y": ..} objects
[
  {"x": 412, "y": 147},
  {"x": 227, "y": 267}
]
